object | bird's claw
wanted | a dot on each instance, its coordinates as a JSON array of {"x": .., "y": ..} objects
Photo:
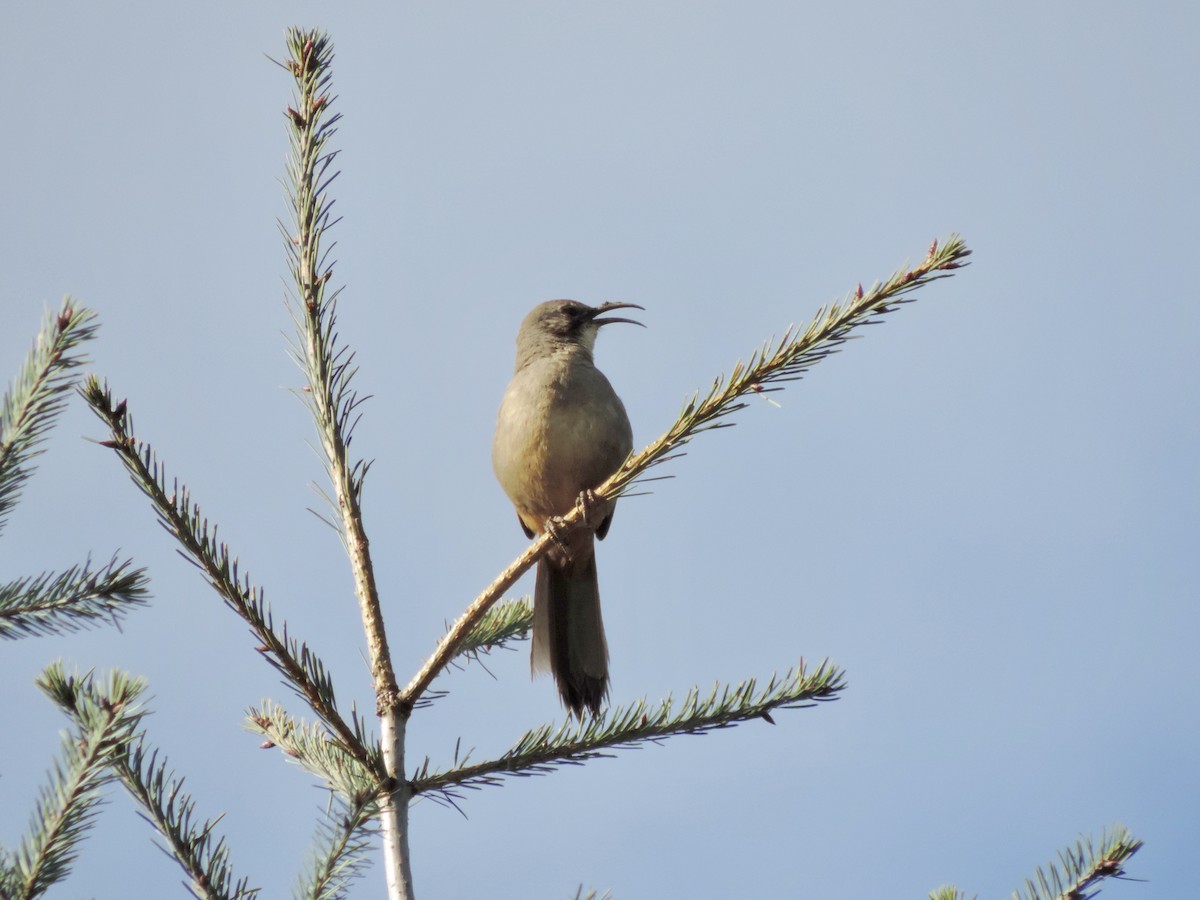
[
  {"x": 586, "y": 504},
  {"x": 557, "y": 529}
]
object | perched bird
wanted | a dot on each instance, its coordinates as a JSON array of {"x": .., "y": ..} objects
[{"x": 561, "y": 431}]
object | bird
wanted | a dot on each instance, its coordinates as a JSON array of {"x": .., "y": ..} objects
[{"x": 560, "y": 432}]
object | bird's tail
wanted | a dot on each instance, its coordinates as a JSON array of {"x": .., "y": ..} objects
[{"x": 568, "y": 632}]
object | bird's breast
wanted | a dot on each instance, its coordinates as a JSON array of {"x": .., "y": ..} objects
[{"x": 561, "y": 429}]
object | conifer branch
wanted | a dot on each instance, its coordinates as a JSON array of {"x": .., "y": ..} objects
[
  {"x": 1081, "y": 868},
  {"x": 345, "y": 835},
  {"x": 38, "y": 395},
  {"x": 10, "y": 884},
  {"x": 159, "y": 792},
  {"x": 54, "y": 603},
  {"x": 329, "y": 368},
  {"x": 172, "y": 812},
  {"x": 769, "y": 367},
  {"x": 448, "y": 647},
  {"x": 343, "y": 847},
  {"x": 776, "y": 363},
  {"x": 543, "y": 749},
  {"x": 67, "y": 806},
  {"x": 69, "y": 601},
  {"x": 316, "y": 750},
  {"x": 504, "y": 623},
  {"x": 301, "y": 668}
]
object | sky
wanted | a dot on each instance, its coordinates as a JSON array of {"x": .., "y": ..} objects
[{"x": 985, "y": 510}]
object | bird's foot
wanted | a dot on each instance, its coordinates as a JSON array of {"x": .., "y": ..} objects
[
  {"x": 586, "y": 503},
  {"x": 557, "y": 529}
]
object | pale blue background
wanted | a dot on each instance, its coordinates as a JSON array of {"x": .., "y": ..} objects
[{"x": 986, "y": 511}]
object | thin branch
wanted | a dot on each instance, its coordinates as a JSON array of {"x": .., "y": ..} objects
[
  {"x": 504, "y": 623},
  {"x": 189, "y": 840},
  {"x": 448, "y": 646},
  {"x": 328, "y": 366},
  {"x": 788, "y": 360},
  {"x": 69, "y": 601},
  {"x": 329, "y": 369},
  {"x": 1082, "y": 868},
  {"x": 183, "y": 519},
  {"x": 156, "y": 789},
  {"x": 543, "y": 749},
  {"x": 344, "y": 843},
  {"x": 67, "y": 807},
  {"x": 38, "y": 395},
  {"x": 315, "y": 749}
]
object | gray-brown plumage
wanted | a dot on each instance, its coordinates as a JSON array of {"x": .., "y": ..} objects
[{"x": 563, "y": 430}]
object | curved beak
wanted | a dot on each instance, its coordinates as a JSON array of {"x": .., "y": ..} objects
[{"x": 608, "y": 307}]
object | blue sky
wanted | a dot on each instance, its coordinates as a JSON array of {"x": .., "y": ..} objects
[{"x": 986, "y": 510}]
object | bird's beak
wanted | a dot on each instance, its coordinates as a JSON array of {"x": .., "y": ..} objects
[{"x": 607, "y": 307}]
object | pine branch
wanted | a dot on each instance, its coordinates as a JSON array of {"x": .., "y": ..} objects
[
  {"x": 10, "y": 884},
  {"x": 66, "y": 808},
  {"x": 448, "y": 647},
  {"x": 769, "y": 367},
  {"x": 301, "y": 668},
  {"x": 328, "y": 366},
  {"x": 775, "y": 364},
  {"x": 77, "y": 598},
  {"x": 345, "y": 836},
  {"x": 54, "y": 603},
  {"x": 315, "y": 749},
  {"x": 159, "y": 792},
  {"x": 172, "y": 812},
  {"x": 330, "y": 369},
  {"x": 1081, "y": 868},
  {"x": 504, "y": 623},
  {"x": 344, "y": 842},
  {"x": 38, "y": 395},
  {"x": 543, "y": 749}
]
